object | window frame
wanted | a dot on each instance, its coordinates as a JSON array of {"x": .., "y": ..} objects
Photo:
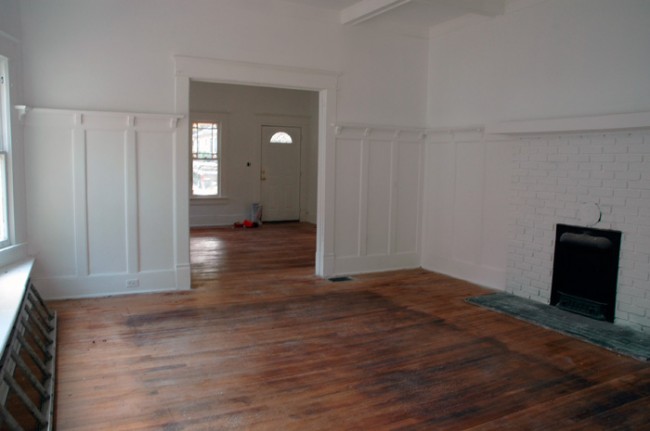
[
  {"x": 213, "y": 119},
  {"x": 6, "y": 218}
]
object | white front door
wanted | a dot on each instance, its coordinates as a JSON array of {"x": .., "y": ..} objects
[{"x": 280, "y": 175}]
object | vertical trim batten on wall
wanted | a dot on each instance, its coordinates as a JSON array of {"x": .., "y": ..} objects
[
  {"x": 362, "y": 238},
  {"x": 392, "y": 199},
  {"x": 80, "y": 201},
  {"x": 131, "y": 196}
]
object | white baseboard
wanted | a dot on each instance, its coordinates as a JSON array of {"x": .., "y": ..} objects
[
  {"x": 94, "y": 286},
  {"x": 382, "y": 263},
  {"x": 483, "y": 275},
  {"x": 216, "y": 220}
]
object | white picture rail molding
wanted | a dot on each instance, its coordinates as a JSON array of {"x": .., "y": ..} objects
[
  {"x": 81, "y": 117},
  {"x": 601, "y": 123}
]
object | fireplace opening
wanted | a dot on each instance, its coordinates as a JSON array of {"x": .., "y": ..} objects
[{"x": 585, "y": 271}]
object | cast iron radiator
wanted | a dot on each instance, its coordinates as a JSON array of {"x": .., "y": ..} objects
[{"x": 28, "y": 365}]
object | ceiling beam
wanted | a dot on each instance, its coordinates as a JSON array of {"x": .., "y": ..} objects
[{"x": 364, "y": 10}]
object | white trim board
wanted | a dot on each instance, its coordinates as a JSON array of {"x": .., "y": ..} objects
[
  {"x": 613, "y": 122},
  {"x": 248, "y": 73},
  {"x": 97, "y": 286}
]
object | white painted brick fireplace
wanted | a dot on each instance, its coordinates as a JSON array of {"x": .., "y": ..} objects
[{"x": 561, "y": 178}]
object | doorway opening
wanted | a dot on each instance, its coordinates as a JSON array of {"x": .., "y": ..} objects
[
  {"x": 190, "y": 69},
  {"x": 267, "y": 146}
]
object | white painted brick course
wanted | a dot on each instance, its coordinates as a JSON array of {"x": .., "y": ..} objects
[
  {"x": 568, "y": 150},
  {"x": 631, "y": 309},
  {"x": 628, "y": 175},
  {"x": 603, "y": 175},
  {"x": 601, "y": 158},
  {"x": 628, "y": 157},
  {"x": 552, "y": 178},
  {"x": 641, "y": 184}
]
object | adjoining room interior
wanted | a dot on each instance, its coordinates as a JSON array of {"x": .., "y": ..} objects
[
  {"x": 252, "y": 171},
  {"x": 432, "y": 157},
  {"x": 243, "y": 112}
]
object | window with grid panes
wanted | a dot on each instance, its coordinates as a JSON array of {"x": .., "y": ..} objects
[{"x": 206, "y": 158}]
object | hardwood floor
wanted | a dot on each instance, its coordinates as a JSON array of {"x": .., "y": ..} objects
[{"x": 260, "y": 343}]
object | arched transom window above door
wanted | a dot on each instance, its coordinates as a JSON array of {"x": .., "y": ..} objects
[{"x": 281, "y": 138}]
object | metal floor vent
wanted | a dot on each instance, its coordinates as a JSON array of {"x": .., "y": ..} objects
[{"x": 339, "y": 279}]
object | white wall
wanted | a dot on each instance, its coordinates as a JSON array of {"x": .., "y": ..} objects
[
  {"x": 118, "y": 55},
  {"x": 541, "y": 59},
  {"x": 11, "y": 48},
  {"x": 383, "y": 77},
  {"x": 243, "y": 109},
  {"x": 556, "y": 58},
  {"x": 10, "y": 19}
]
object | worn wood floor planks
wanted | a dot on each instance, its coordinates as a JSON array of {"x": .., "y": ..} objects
[{"x": 260, "y": 343}]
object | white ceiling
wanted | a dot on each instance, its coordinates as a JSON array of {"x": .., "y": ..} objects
[{"x": 420, "y": 13}]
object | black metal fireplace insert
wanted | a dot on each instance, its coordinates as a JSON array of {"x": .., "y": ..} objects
[{"x": 585, "y": 271}]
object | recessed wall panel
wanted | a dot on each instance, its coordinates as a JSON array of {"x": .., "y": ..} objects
[
  {"x": 105, "y": 173},
  {"x": 407, "y": 197},
  {"x": 439, "y": 192},
  {"x": 468, "y": 203},
  {"x": 348, "y": 158},
  {"x": 155, "y": 205},
  {"x": 496, "y": 203},
  {"x": 378, "y": 218},
  {"x": 49, "y": 182}
]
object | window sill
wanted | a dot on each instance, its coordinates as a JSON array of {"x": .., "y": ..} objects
[
  {"x": 13, "y": 279},
  {"x": 221, "y": 200},
  {"x": 12, "y": 254}
]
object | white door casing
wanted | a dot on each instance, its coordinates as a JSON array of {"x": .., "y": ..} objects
[
  {"x": 280, "y": 173},
  {"x": 236, "y": 72}
]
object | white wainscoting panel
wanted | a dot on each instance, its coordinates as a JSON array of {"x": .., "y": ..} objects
[
  {"x": 100, "y": 198},
  {"x": 466, "y": 199},
  {"x": 378, "y": 193}
]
